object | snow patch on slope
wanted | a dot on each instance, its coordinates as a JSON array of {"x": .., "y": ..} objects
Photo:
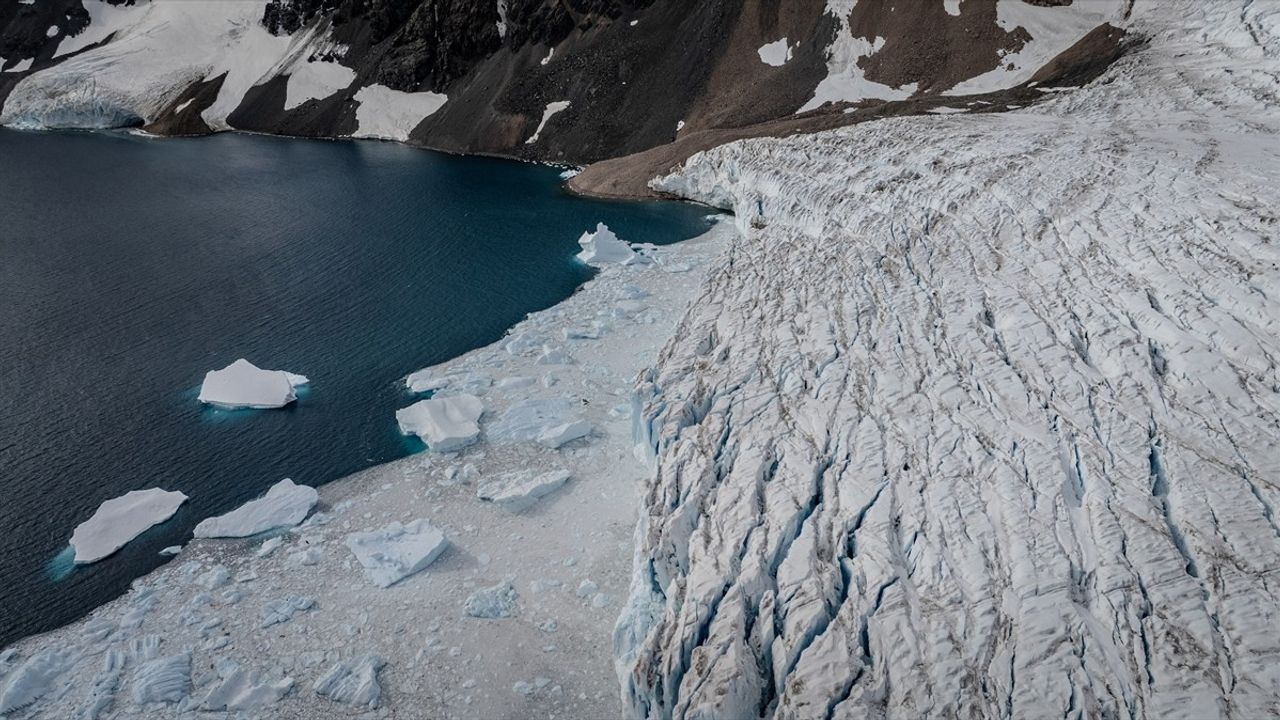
[
  {"x": 387, "y": 114},
  {"x": 845, "y": 81},
  {"x": 551, "y": 109},
  {"x": 316, "y": 81},
  {"x": 1052, "y": 30}
]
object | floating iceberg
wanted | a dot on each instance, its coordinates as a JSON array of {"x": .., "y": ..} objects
[
  {"x": 119, "y": 520},
  {"x": 244, "y": 385},
  {"x": 397, "y": 551},
  {"x": 517, "y": 491},
  {"x": 444, "y": 424},
  {"x": 284, "y": 505},
  {"x": 602, "y": 246}
]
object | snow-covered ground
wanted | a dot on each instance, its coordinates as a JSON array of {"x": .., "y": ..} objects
[
  {"x": 981, "y": 415},
  {"x": 293, "y": 625}
]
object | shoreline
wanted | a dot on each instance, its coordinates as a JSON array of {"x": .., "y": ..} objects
[{"x": 568, "y": 557}]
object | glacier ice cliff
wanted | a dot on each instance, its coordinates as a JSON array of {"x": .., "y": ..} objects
[{"x": 980, "y": 416}]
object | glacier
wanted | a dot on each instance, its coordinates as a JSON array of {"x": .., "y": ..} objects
[{"x": 980, "y": 415}]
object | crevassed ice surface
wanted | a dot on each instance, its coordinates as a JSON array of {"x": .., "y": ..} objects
[{"x": 983, "y": 420}]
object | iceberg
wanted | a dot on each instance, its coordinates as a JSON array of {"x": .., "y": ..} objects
[
  {"x": 397, "y": 551},
  {"x": 243, "y": 385},
  {"x": 119, "y": 520},
  {"x": 602, "y": 246},
  {"x": 444, "y": 424},
  {"x": 518, "y": 491},
  {"x": 284, "y": 505}
]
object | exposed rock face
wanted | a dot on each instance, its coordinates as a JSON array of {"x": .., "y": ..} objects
[
  {"x": 979, "y": 417},
  {"x": 632, "y": 74}
]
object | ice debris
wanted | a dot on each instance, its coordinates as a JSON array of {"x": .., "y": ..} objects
[
  {"x": 397, "y": 551},
  {"x": 281, "y": 611},
  {"x": 518, "y": 491},
  {"x": 241, "y": 690},
  {"x": 242, "y": 385},
  {"x": 119, "y": 520},
  {"x": 352, "y": 683},
  {"x": 494, "y": 602},
  {"x": 34, "y": 678},
  {"x": 165, "y": 679},
  {"x": 284, "y": 505},
  {"x": 444, "y": 424}
]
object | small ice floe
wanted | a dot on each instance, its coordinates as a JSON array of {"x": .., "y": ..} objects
[
  {"x": 518, "y": 491},
  {"x": 284, "y": 505},
  {"x": 393, "y": 553},
  {"x": 603, "y": 247},
  {"x": 352, "y": 683},
  {"x": 444, "y": 424},
  {"x": 119, "y": 520},
  {"x": 242, "y": 385},
  {"x": 171, "y": 550},
  {"x": 241, "y": 690},
  {"x": 491, "y": 603}
]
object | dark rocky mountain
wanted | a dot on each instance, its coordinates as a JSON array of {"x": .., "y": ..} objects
[{"x": 664, "y": 76}]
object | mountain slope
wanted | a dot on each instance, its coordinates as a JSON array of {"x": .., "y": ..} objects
[{"x": 480, "y": 77}]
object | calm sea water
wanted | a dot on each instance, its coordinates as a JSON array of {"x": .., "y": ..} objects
[{"x": 129, "y": 267}]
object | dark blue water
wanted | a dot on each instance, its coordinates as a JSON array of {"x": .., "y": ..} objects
[{"x": 129, "y": 267}]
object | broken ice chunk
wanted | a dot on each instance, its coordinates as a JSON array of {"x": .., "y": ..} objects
[
  {"x": 166, "y": 679},
  {"x": 494, "y": 602},
  {"x": 554, "y": 437},
  {"x": 602, "y": 246},
  {"x": 284, "y": 505},
  {"x": 119, "y": 520},
  {"x": 243, "y": 385},
  {"x": 517, "y": 491},
  {"x": 34, "y": 678},
  {"x": 352, "y": 683},
  {"x": 281, "y": 611},
  {"x": 530, "y": 420},
  {"x": 444, "y": 424},
  {"x": 241, "y": 690},
  {"x": 554, "y": 356},
  {"x": 397, "y": 551}
]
